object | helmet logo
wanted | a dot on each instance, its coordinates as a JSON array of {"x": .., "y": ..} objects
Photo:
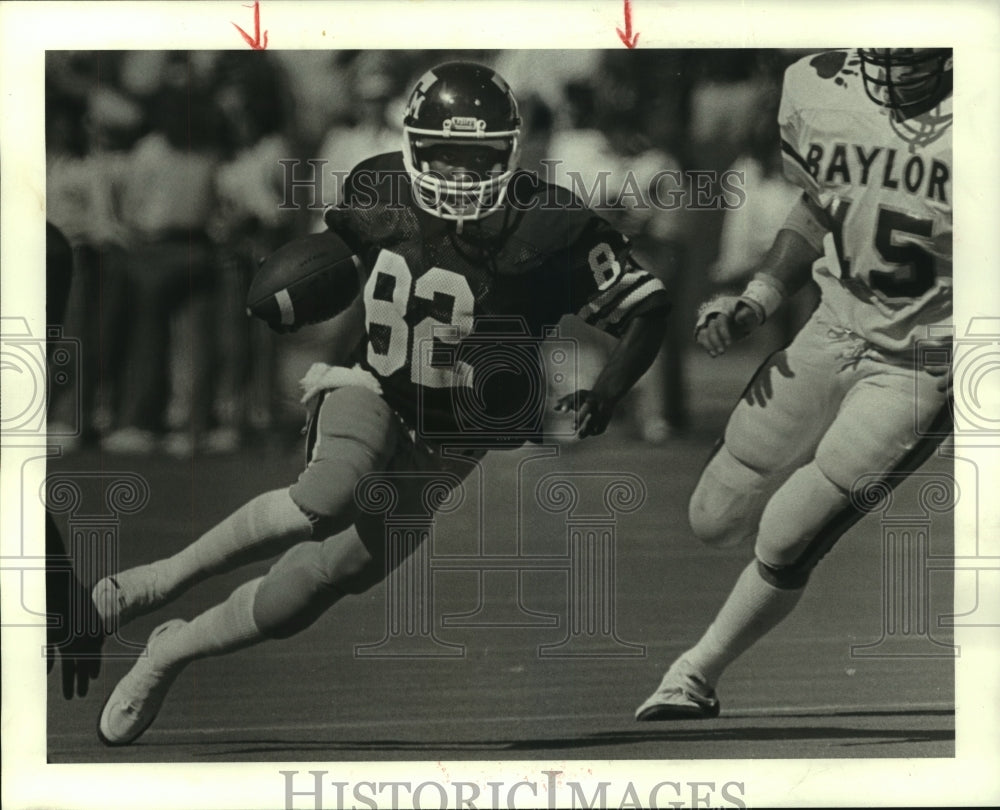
[
  {"x": 464, "y": 123},
  {"x": 419, "y": 94}
]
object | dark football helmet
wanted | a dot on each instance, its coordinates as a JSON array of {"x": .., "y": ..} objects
[
  {"x": 463, "y": 115},
  {"x": 906, "y": 80}
]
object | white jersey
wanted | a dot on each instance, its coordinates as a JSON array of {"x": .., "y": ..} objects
[{"x": 887, "y": 185}]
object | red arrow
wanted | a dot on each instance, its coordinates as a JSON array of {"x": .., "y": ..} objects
[
  {"x": 254, "y": 41},
  {"x": 626, "y": 35}
]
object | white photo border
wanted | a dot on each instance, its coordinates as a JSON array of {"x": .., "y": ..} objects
[{"x": 27, "y": 30}]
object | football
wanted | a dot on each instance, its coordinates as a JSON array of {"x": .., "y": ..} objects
[{"x": 305, "y": 281}]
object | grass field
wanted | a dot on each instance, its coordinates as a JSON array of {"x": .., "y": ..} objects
[{"x": 497, "y": 695}]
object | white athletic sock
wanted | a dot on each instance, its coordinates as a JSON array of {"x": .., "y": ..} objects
[
  {"x": 754, "y": 607},
  {"x": 222, "y": 629},
  {"x": 266, "y": 526}
]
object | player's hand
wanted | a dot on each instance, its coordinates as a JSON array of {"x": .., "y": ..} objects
[
  {"x": 593, "y": 411},
  {"x": 723, "y": 320},
  {"x": 74, "y": 632}
]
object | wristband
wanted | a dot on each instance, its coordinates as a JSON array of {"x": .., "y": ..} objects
[{"x": 765, "y": 294}]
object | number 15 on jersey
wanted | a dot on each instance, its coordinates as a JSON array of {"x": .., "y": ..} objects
[{"x": 907, "y": 269}]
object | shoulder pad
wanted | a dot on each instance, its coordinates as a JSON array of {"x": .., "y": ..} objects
[
  {"x": 553, "y": 217},
  {"x": 385, "y": 162},
  {"x": 820, "y": 79}
]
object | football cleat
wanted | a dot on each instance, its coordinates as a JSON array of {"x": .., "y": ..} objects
[
  {"x": 122, "y": 597},
  {"x": 134, "y": 703},
  {"x": 681, "y": 695}
]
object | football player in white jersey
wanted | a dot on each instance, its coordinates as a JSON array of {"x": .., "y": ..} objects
[{"x": 867, "y": 135}]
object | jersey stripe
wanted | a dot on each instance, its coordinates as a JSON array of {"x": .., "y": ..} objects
[
  {"x": 600, "y": 302},
  {"x": 797, "y": 170},
  {"x": 601, "y": 305},
  {"x": 638, "y": 294},
  {"x": 789, "y": 151}
]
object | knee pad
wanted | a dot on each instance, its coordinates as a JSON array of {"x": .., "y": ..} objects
[
  {"x": 293, "y": 594},
  {"x": 786, "y": 577},
  {"x": 795, "y": 529},
  {"x": 355, "y": 433},
  {"x": 725, "y": 507},
  {"x": 351, "y": 565},
  {"x": 307, "y": 581}
]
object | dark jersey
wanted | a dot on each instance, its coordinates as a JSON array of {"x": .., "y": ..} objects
[{"x": 455, "y": 316}]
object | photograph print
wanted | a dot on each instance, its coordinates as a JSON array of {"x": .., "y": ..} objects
[
  {"x": 579, "y": 426},
  {"x": 477, "y": 373}
]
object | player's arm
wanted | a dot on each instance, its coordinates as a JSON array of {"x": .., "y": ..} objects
[
  {"x": 630, "y": 359},
  {"x": 610, "y": 292},
  {"x": 359, "y": 193},
  {"x": 782, "y": 272}
]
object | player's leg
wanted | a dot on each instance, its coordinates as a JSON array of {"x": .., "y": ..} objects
[
  {"x": 308, "y": 580},
  {"x": 355, "y": 433},
  {"x": 311, "y": 578},
  {"x": 135, "y": 701},
  {"x": 726, "y": 505},
  {"x": 876, "y": 433},
  {"x": 812, "y": 510},
  {"x": 303, "y": 584},
  {"x": 776, "y": 426}
]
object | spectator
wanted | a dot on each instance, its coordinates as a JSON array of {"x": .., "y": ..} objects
[
  {"x": 372, "y": 86},
  {"x": 248, "y": 224},
  {"x": 168, "y": 198},
  {"x": 89, "y": 128},
  {"x": 365, "y": 131}
]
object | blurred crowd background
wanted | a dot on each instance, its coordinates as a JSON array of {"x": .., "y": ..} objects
[{"x": 164, "y": 174}]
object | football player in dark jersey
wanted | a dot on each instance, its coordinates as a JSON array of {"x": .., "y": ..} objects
[{"x": 469, "y": 264}]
